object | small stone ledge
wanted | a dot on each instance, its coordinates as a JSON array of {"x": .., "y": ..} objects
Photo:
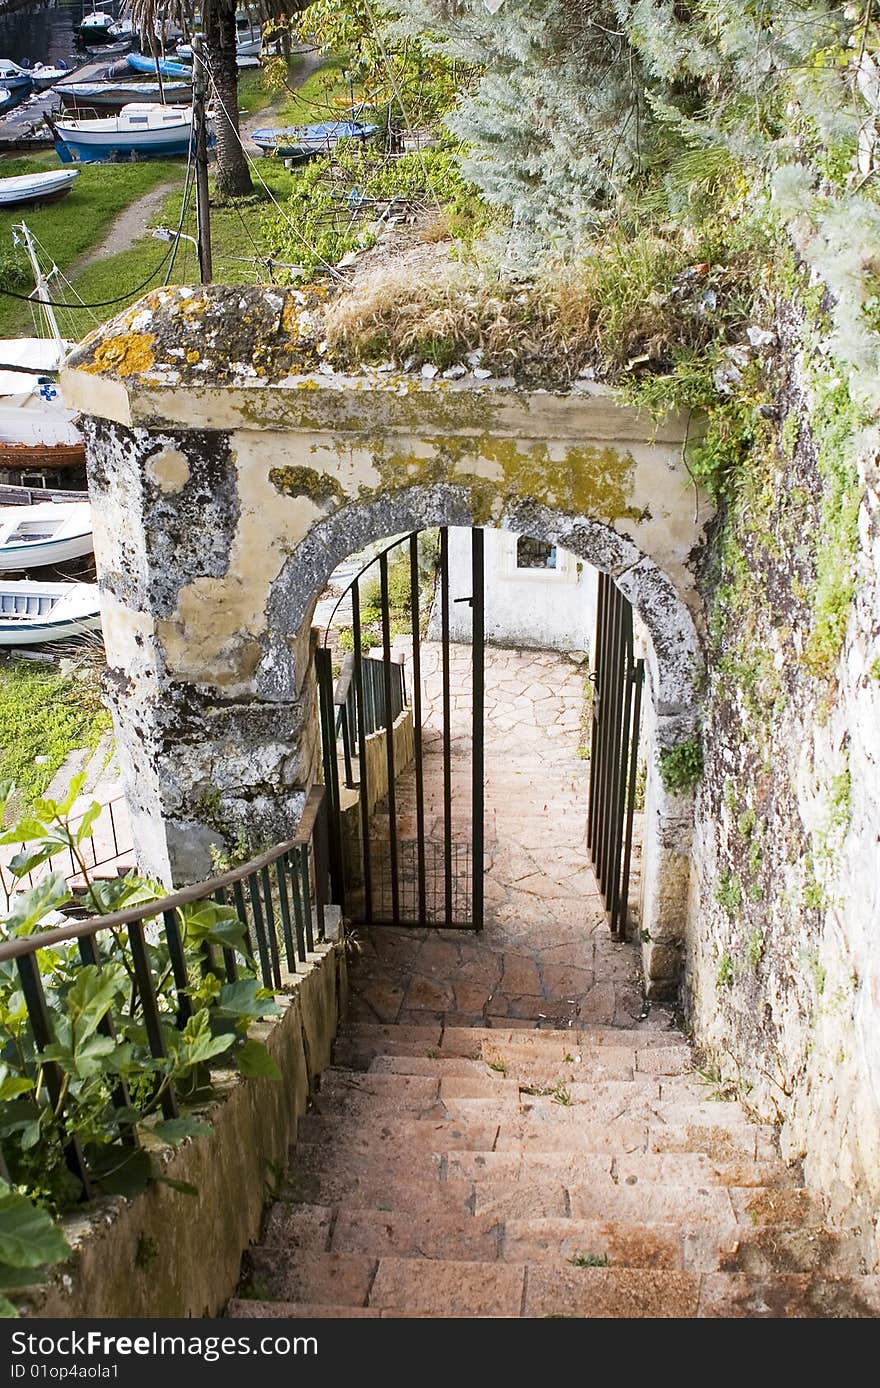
[{"x": 165, "y": 1253}]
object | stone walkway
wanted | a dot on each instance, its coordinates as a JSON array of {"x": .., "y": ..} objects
[{"x": 545, "y": 957}]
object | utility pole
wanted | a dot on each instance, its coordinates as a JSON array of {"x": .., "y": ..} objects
[{"x": 200, "y": 135}]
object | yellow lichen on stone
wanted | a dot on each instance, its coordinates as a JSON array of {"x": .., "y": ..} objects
[
  {"x": 193, "y": 355},
  {"x": 128, "y": 354}
]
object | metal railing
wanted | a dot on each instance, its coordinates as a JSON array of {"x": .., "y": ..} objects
[
  {"x": 279, "y": 898},
  {"x": 375, "y": 695},
  {"x": 107, "y": 831}
]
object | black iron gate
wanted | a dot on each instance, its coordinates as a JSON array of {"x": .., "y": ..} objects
[
  {"x": 407, "y": 841},
  {"x": 617, "y": 705}
]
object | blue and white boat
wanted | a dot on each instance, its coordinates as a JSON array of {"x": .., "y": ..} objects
[
  {"x": 51, "y": 532},
  {"x": 305, "y": 141},
  {"x": 15, "y": 78},
  {"x": 142, "y": 130},
  {"x": 139, "y": 62},
  {"x": 36, "y": 614}
]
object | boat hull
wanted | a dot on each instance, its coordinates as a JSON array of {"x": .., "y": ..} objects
[
  {"x": 100, "y": 149},
  {"x": 45, "y": 632},
  {"x": 43, "y": 553},
  {"x": 37, "y": 457},
  {"x": 111, "y": 97},
  {"x": 141, "y": 63},
  {"x": 43, "y": 188}
]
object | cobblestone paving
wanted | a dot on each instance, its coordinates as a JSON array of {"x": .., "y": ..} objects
[{"x": 545, "y": 957}]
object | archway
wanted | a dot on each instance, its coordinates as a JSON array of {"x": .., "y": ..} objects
[{"x": 220, "y": 510}]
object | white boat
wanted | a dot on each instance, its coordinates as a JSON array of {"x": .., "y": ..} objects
[
  {"x": 37, "y": 431},
  {"x": 141, "y": 128},
  {"x": 45, "y": 75},
  {"x": 36, "y": 187},
  {"x": 96, "y": 26},
  {"x": 49, "y": 533},
  {"x": 14, "y": 77},
  {"x": 36, "y": 614}
]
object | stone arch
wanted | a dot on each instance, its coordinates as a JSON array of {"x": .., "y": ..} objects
[
  {"x": 674, "y": 654},
  {"x": 226, "y": 483}
]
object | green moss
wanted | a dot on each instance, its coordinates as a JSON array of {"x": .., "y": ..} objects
[
  {"x": 682, "y": 766},
  {"x": 319, "y": 487},
  {"x": 874, "y": 668},
  {"x": 729, "y": 893},
  {"x": 755, "y": 948},
  {"x": 724, "y": 972}
]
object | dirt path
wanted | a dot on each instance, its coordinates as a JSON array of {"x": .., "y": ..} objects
[{"x": 128, "y": 227}]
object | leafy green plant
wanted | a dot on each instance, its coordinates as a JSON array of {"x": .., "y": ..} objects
[
  {"x": 590, "y": 1260},
  {"x": 682, "y": 766},
  {"x": 98, "y": 1083}
]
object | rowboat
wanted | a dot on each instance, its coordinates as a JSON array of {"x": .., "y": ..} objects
[
  {"x": 139, "y": 62},
  {"x": 35, "y": 614},
  {"x": 304, "y": 141},
  {"x": 141, "y": 129},
  {"x": 36, "y": 187},
  {"x": 45, "y": 75},
  {"x": 50, "y": 533},
  {"x": 110, "y": 97}
]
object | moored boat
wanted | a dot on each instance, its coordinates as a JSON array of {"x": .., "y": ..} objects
[
  {"x": 51, "y": 532},
  {"x": 15, "y": 78},
  {"x": 36, "y": 614},
  {"x": 96, "y": 27},
  {"x": 139, "y": 62},
  {"x": 36, "y": 187},
  {"x": 304, "y": 141},
  {"x": 141, "y": 129},
  {"x": 8, "y": 99},
  {"x": 110, "y": 97},
  {"x": 45, "y": 75}
]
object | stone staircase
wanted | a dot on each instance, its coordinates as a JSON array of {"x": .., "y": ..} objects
[{"x": 492, "y": 1173}]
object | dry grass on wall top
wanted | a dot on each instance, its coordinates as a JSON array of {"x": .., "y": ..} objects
[{"x": 634, "y": 306}]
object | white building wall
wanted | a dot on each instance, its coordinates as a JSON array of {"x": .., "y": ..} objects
[{"x": 549, "y": 609}]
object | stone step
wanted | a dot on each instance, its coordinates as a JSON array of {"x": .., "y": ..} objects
[
  {"x": 404, "y": 1137},
  {"x": 680, "y": 1234},
  {"x": 468, "y": 1039},
  {"x": 403, "y": 1287}
]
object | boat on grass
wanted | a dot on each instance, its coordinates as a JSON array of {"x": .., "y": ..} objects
[
  {"x": 51, "y": 532},
  {"x": 110, "y": 97},
  {"x": 36, "y": 187},
  {"x": 305, "y": 141},
  {"x": 36, "y": 614},
  {"x": 141, "y": 130},
  {"x": 139, "y": 62}
]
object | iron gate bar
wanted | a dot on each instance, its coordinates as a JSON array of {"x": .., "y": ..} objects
[
  {"x": 447, "y": 745},
  {"x": 324, "y": 676},
  {"x": 363, "y": 793},
  {"x": 389, "y": 735},
  {"x": 478, "y": 659},
  {"x": 638, "y": 678},
  {"x": 415, "y": 615},
  {"x": 618, "y": 680}
]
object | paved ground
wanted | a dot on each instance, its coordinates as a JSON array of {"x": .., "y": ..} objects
[{"x": 545, "y": 957}]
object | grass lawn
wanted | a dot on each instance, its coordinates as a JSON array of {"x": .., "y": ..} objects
[
  {"x": 70, "y": 228},
  {"x": 44, "y": 714}
]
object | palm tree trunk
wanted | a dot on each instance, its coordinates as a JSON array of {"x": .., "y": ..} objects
[{"x": 233, "y": 175}]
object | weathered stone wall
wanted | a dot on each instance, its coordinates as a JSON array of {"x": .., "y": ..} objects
[{"x": 783, "y": 951}]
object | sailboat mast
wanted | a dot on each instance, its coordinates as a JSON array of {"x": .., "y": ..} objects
[{"x": 41, "y": 288}]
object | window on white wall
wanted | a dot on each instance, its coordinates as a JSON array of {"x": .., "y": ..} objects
[{"x": 534, "y": 554}]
